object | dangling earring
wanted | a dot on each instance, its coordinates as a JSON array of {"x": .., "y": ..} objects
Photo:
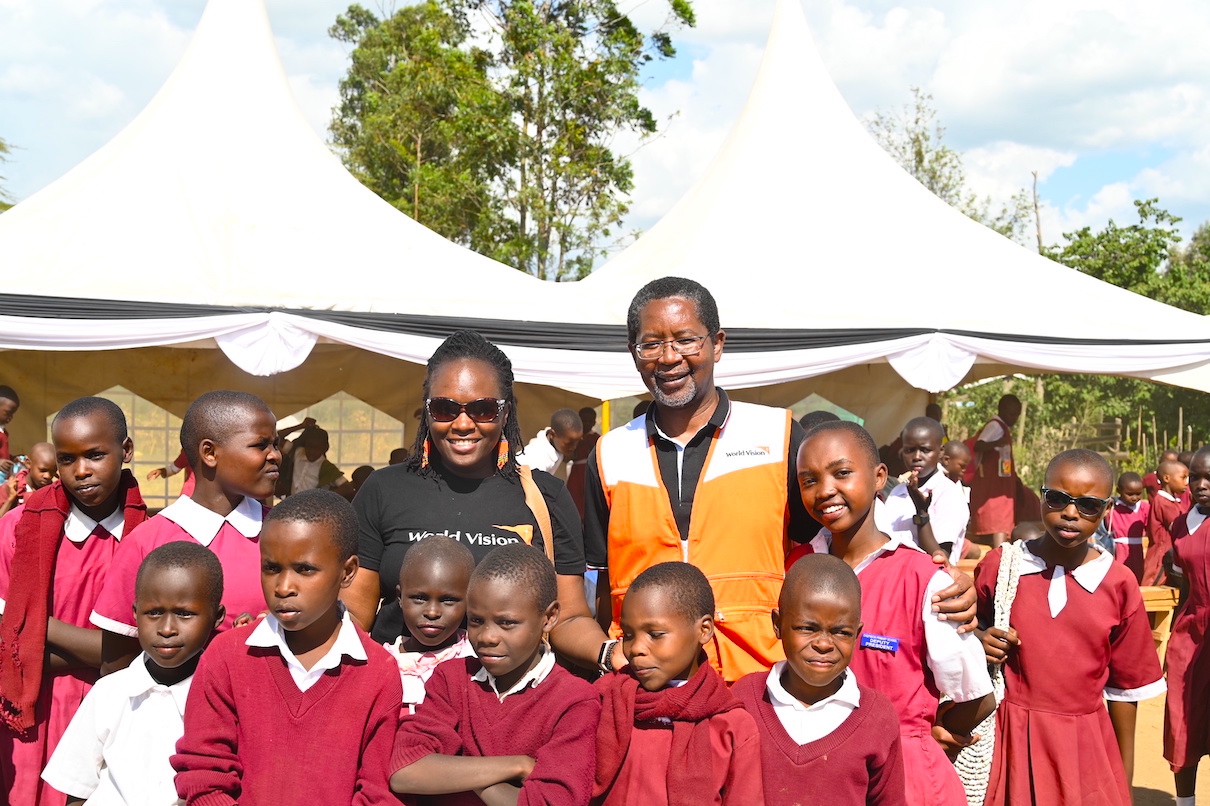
[
  {"x": 424, "y": 456},
  {"x": 502, "y": 453}
]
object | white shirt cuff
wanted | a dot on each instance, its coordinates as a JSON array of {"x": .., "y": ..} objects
[
  {"x": 109, "y": 625},
  {"x": 1136, "y": 694}
]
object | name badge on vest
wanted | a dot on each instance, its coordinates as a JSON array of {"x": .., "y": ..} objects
[{"x": 883, "y": 642}]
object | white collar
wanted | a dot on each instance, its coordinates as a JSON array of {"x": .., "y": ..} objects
[
  {"x": 270, "y": 634},
  {"x": 79, "y": 526},
  {"x": 1088, "y": 576},
  {"x": 1168, "y": 495},
  {"x": 534, "y": 677},
  {"x": 1194, "y": 519},
  {"x": 848, "y": 693},
  {"x": 138, "y": 682},
  {"x": 931, "y": 483},
  {"x": 897, "y": 540},
  {"x": 203, "y": 525},
  {"x": 1132, "y": 507}
]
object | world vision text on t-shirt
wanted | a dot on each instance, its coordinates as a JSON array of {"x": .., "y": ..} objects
[{"x": 397, "y": 508}]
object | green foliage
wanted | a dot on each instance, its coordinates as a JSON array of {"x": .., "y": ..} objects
[
  {"x": 1060, "y": 410},
  {"x": 5, "y": 199},
  {"x": 491, "y": 121},
  {"x": 915, "y": 139},
  {"x": 420, "y": 123}
]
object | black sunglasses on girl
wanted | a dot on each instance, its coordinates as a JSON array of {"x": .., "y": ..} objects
[
  {"x": 1087, "y": 505},
  {"x": 483, "y": 410}
]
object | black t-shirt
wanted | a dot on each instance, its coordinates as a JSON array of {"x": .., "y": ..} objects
[{"x": 397, "y": 507}]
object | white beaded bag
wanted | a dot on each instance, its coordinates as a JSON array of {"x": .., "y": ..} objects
[{"x": 974, "y": 763}]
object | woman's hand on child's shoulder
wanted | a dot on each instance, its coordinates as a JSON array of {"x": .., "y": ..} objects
[{"x": 998, "y": 642}]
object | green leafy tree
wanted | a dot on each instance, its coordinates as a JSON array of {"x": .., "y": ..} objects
[
  {"x": 916, "y": 140},
  {"x": 5, "y": 199},
  {"x": 1145, "y": 258},
  {"x": 420, "y": 123},
  {"x": 519, "y": 125}
]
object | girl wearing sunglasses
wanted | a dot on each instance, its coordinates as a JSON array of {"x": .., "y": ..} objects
[
  {"x": 461, "y": 480},
  {"x": 1079, "y": 636}
]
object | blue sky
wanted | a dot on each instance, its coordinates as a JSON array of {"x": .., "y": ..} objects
[{"x": 1109, "y": 101}]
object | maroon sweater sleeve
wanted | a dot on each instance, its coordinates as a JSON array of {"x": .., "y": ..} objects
[
  {"x": 434, "y": 726},
  {"x": 745, "y": 783},
  {"x": 374, "y": 773},
  {"x": 208, "y": 769},
  {"x": 566, "y": 764}
]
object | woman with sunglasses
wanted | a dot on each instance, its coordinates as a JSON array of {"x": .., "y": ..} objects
[{"x": 461, "y": 480}]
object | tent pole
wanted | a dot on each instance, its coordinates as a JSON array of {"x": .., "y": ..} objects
[{"x": 604, "y": 417}]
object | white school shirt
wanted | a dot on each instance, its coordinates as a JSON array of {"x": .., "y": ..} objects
[
  {"x": 957, "y": 662},
  {"x": 534, "y": 677},
  {"x": 115, "y": 752},
  {"x": 1088, "y": 576},
  {"x": 540, "y": 454},
  {"x": 948, "y": 513},
  {"x": 810, "y": 723},
  {"x": 269, "y": 633}
]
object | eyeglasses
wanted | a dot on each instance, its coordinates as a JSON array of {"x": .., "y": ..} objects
[
  {"x": 483, "y": 410},
  {"x": 689, "y": 345},
  {"x": 1087, "y": 505}
]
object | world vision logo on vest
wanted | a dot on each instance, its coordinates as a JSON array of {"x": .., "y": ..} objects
[{"x": 755, "y": 450}]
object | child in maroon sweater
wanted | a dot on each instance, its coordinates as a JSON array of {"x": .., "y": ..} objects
[
  {"x": 670, "y": 731},
  {"x": 304, "y": 689},
  {"x": 825, "y": 739},
  {"x": 511, "y": 726}
]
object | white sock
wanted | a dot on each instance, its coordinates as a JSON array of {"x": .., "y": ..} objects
[{"x": 1185, "y": 801}]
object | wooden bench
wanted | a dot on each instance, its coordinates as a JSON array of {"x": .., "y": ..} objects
[{"x": 1160, "y": 601}]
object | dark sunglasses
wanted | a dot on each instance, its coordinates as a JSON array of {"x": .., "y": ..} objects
[
  {"x": 483, "y": 410},
  {"x": 1087, "y": 505}
]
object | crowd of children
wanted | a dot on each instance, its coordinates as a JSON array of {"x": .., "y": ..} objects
[{"x": 233, "y": 672}]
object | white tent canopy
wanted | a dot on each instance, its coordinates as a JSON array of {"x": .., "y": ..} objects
[
  {"x": 804, "y": 226},
  {"x": 218, "y": 218},
  {"x": 220, "y": 194}
]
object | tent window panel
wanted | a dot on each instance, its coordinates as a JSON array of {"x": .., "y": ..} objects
[{"x": 358, "y": 433}]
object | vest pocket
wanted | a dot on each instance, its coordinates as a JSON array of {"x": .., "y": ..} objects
[{"x": 744, "y": 640}]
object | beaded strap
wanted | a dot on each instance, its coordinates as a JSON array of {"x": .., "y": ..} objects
[{"x": 974, "y": 763}]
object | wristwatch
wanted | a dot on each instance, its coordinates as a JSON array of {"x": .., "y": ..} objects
[
  {"x": 605, "y": 659},
  {"x": 920, "y": 520}
]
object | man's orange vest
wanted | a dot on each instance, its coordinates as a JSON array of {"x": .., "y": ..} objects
[{"x": 737, "y": 530}]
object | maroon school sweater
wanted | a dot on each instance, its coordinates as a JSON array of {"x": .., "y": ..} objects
[
  {"x": 858, "y": 763},
  {"x": 555, "y": 723},
  {"x": 252, "y": 737}
]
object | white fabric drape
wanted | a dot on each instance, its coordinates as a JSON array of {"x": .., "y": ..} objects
[{"x": 271, "y": 342}]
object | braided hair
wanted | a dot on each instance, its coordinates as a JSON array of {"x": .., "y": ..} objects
[{"x": 462, "y": 345}]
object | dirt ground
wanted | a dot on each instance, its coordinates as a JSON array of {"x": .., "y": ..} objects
[{"x": 1152, "y": 778}]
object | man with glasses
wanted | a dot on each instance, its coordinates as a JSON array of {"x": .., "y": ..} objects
[{"x": 699, "y": 478}]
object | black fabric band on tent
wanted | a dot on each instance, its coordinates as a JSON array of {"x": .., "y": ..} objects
[{"x": 561, "y": 335}]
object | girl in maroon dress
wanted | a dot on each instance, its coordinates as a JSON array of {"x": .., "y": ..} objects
[
  {"x": 1187, "y": 715},
  {"x": 1079, "y": 636}
]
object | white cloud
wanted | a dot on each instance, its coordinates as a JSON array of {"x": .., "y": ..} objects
[{"x": 1019, "y": 86}]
